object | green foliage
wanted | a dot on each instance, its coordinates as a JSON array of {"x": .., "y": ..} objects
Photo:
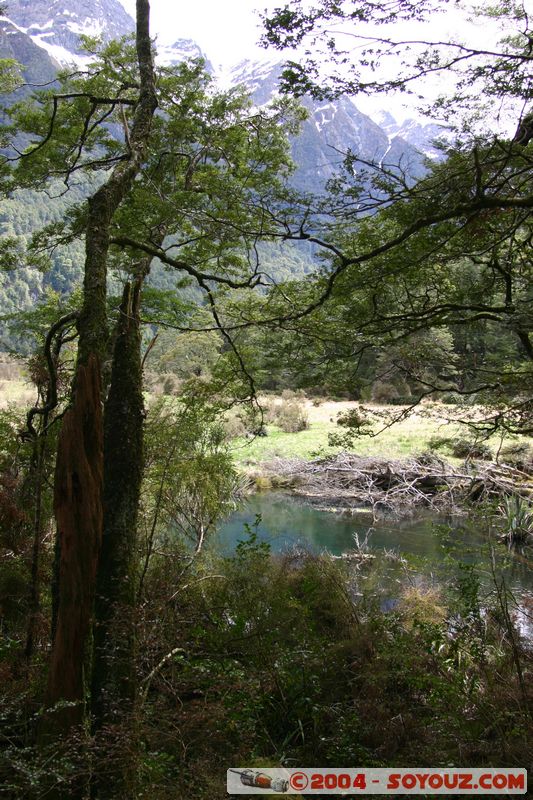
[
  {"x": 290, "y": 659},
  {"x": 168, "y": 308},
  {"x": 31, "y": 270},
  {"x": 190, "y": 482},
  {"x": 30, "y": 326},
  {"x": 19, "y": 481},
  {"x": 461, "y": 447},
  {"x": 431, "y": 293},
  {"x": 204, "y": 198},
  {"x": 518, "y": 516},
  {"x": 10, "y": 76},
  {"x": 357, "y": 422},
  {"x": 187, "y": 355}
]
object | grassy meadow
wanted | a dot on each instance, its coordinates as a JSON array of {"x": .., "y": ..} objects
[
  {"x": 405, "y": 438},
  {"x": 15, "y": 387}
]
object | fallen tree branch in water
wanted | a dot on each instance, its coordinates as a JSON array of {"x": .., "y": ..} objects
[{"x": 348, "y": 482}]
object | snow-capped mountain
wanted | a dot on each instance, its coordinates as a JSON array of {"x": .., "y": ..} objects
[
  {"x": 259, "y": 77},
  {"x": 38, "y": 66},
  {"x": 335, "y": 127},
  {"x": 332, "y": 128},
  {"x": 56, "y": 26},
  {"x": 421, "y": 135},
  {"x": 181, "y": 50}
]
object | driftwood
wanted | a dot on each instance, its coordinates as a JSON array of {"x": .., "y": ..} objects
[{"x": 348, "y": 481}]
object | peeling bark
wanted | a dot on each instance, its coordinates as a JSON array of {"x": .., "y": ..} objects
[{"x": 78, "y": 512}]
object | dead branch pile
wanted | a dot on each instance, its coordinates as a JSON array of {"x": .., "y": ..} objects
[{"x": 348, "y": 481}]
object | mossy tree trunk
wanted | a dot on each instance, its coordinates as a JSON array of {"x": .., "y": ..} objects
[
  {"x": 113, "y": 681},
  {"x": 78, "y": 489}
]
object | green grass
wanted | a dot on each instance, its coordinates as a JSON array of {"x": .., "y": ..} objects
[
  {"x": 404, "y": 439},
  {"x": 304, "y": 444}
]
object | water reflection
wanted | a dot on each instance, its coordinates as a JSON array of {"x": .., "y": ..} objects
[{"x": 287, "y": 522}]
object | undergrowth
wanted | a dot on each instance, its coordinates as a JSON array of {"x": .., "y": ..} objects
[{"x": 259, "y": 660}]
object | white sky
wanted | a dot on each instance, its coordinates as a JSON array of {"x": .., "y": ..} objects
[{"x": 226, "y": 30}]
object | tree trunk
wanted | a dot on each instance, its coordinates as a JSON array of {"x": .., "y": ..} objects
[
  {"x": 36, "y": 478},
  {"x": 79, "y": 471},
  {"x": 78, "y": 512},
  {"x": 114, "y": 685}
]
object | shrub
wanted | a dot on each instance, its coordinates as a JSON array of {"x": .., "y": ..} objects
[
  {"x": 293, "y": 394},
  {"x": 263, "y": 483},
  {"x": 452, "y": 398},
  {"x": 518, "y": 519},
  {"x": 404, "y": 400},
  {"x": 519, "y": 455},
  {"x": 292, "y": 417},
  {"x": 293, "y": 655},
  {"x": 421, "y": 605},
  {"x": 288, "y": 414},
  {"x": 383, "y": 392},
  {"x": 461, "y": 447},
  {"x": 234, "y": 426},
  {"x": 171, "y": 384},
  {"x": 356, "y": 418},
  {"x": 468, "y": 448}
]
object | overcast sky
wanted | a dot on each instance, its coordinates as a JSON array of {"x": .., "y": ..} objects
[{"x": 226, "y": 30}]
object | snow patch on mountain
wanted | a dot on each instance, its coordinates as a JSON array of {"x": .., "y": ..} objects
[
  {"x": 60, "y": 54},
  {"x": 180, "y": 50},
  {"x": 57, "y": 29},
  {"x": 251, "y": 74},
  {"x": 49, "y": 24},
  {"x": 324, "y": 115},
  {"x": 422, "y": 134}
]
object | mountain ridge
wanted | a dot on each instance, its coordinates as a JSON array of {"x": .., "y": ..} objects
[{"x": 56, "y": 26}]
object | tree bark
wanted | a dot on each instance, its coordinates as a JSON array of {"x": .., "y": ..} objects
[
  {"x": 113, "y": 680},
  {"x": 80, "y": 460},
  {"x": 78, "y": 513}
]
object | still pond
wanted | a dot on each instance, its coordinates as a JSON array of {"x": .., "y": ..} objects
[{"x": 425, "y": 542}]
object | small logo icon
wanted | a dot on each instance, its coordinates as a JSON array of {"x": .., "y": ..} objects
[{"x": 260, "y": 780}]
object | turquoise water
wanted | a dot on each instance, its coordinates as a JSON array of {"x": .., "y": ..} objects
[{"x": 426, "y": 541}]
